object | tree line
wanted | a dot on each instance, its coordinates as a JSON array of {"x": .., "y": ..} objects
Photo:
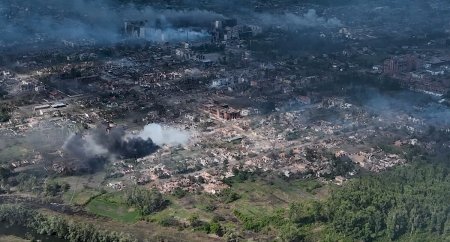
[
  {"x": 58, "y": 226},
  {"x": 407, "y": 203}
]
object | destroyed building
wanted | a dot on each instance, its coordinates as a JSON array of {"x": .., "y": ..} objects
[
  {"x": 400, "y": 64},
  {"x": 223, "y": 111},
  {"x": 135, "y": 29}
]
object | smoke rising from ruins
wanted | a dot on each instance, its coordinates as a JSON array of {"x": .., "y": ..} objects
[
  {"x": 98, "y": 20},
  {"x": 101, "y": 144},
  {"x": 309, "y": 19},
  {"x": 164, "y": 135}
]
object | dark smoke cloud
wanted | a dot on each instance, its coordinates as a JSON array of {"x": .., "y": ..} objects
[
  {"x": 91, "y": 151},
  {"x": 116, "y": 142}
]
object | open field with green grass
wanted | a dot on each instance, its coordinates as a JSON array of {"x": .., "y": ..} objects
[
  {"x": 81, "y": 197},
  {"x": 111, "y": 206},
  {"x": 13, "y": 153},
  {"x": 82, "y": 188},
  {"x": 258, "y": 198}
]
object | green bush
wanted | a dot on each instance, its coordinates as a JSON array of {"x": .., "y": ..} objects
[{"x": 146, "y": 201}]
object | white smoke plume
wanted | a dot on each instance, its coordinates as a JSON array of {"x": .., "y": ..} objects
[
  {"x": 164, "y": 135},
  {"x": 163, "y": 35},
  {"x": 120, "y": 143},
  {"x": 289, "y": 20},
  {"x": 92, "y": 150},
  {"x": 99, "y": 20}
]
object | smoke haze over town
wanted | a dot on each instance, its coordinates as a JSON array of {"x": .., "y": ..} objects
[{"x": 214, "y": 120}]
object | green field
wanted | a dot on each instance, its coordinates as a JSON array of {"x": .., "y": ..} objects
[
  {"x": 112, "y": 207},
  {"x": 82, "y": 188},
  {"x": 82, "y": 197},
  {"x": 259, "y": 198},
  {"x": 13, "y": 153}
]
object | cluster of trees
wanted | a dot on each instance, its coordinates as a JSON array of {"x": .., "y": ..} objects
[
  {"x": 25, "y": 182},
  {"x": 57, "y": 226},
  {"x": 408, "y": 201},
  {"x": 147, "y": 202},
  {"x": 349, "y": 83},
  {"x": 447, "y": 95},
  {"x": 5, "y": 173},
  {"x": 213, "y": 227},
  {"x": 241, "y": 175},
  {"x": 54, "y": 188},
  {"x": 337, "y": 165},
  {"x": 179, "y": 192},
  {"x": 382, "y": 83},
  {"x": 73, "y": 73},
  {"x": 293, "y": 135},
  {"x": 3, "y": 93},
  {"x": 5, "y": 112},
  {"x": 291, "y": 224},
  {"x": 228, "y": 196}
]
